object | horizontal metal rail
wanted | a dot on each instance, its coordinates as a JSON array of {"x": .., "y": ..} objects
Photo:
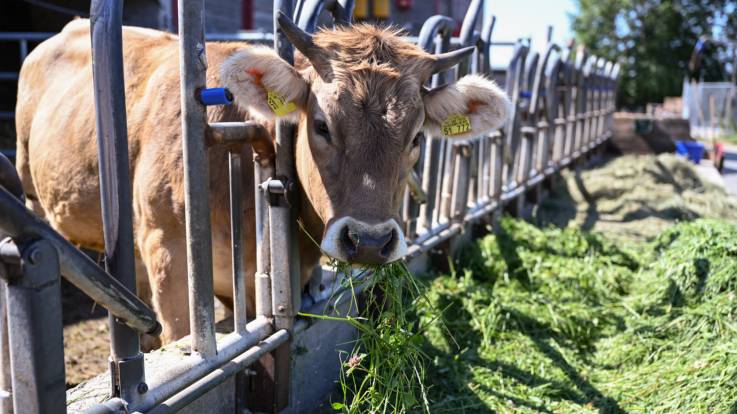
[{"x": 237, "y": 364}]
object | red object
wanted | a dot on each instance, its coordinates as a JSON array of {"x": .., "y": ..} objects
[
  {"x": 718, "y": 157},
  {"x": 404, "y": 4}
]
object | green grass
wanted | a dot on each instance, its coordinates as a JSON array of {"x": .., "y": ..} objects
[
  {"x": 553, "y": 320},
  {"x": 564, "y": 321},
  {"x": 386, "y": 370}
]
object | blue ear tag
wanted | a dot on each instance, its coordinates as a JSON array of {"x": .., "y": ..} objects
[{"x": 216, "y": 96}]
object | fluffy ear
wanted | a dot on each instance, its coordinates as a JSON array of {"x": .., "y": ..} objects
[
  {"x": 471, "y": 107},
  {"x": 264, "y": 84}
]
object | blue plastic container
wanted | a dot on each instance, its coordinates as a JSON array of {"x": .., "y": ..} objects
[{"x": 693, "y": 150}]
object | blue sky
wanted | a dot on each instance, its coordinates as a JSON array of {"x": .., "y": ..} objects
[{"x": 530, "y": 18}]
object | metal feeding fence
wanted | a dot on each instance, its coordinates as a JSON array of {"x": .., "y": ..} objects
[{"x": 562, "y": 106}]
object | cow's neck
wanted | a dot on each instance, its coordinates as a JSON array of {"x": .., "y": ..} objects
[{"x": 313, "y": 225}]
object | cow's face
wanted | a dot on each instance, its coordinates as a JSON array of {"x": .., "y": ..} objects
[{"x": 361, "y": 108}]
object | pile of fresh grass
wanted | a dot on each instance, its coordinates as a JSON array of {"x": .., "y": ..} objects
[
  {"x": 385, "y": 372},
  {"x": 565, "y": 321},
  {"x": 636, "y": 197}
]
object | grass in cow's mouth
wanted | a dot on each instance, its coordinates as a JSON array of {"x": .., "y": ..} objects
[{"x": 386, "y": 370}]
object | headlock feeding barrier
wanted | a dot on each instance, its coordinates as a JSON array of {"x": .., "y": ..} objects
[{"x": 562, "y": 101}]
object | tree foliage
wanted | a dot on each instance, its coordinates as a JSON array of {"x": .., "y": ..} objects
[{"x": 653, "y": 40}]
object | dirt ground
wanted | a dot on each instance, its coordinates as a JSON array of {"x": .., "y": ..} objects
[{"x": 86, "y": 339}]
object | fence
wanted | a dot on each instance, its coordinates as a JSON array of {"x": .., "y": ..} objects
[
  {"x": 562, "y": 106},
  {"x": 710, "y": 107}
]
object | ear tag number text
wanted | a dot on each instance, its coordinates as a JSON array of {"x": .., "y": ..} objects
[
  {"x": 455, "y": 125},
  {"x": 279, "y": 105}
]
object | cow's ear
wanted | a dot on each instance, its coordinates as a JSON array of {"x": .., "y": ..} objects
[
  {"x": 471, "y": 107},
  {"x": 264, "y": 84}
]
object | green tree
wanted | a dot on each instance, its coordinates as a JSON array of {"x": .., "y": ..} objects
[{"x": 653, "y": 40}]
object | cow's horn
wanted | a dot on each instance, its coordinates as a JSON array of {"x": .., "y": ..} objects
[
  {"x": 304, "y": 43},
  {"x": 445, "y": 61}
]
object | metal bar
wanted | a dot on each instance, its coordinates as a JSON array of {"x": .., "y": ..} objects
[
  {"x": 192, "y": 71},
  {"x": 190, "y": 368},
  {"x": 23, "y": 44},
  {"x": 280, "y": 226},
  {"x": 461, "y": 188},
  {"x": 35, "y": 337},
  {"x": 77, "y": 268},
  {"x": 429, "y": 181},
  {"x": 185, "y": 397},
  {"x": 285, "y": 269},
  {"x": 468, "y": 35},
  {"x": 236, "y": 241},
  {"x": 262, "y": 173},
  {"x": 309, "y": 13},
  {"x": 115, "y": 193},
  {"x": 18, "y": 36},
  {"x": 9, "y": 178},
  {"x": 6, "y": 381}
]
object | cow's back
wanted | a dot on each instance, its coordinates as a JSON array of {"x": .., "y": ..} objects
[{"x": 55, "y": 120}]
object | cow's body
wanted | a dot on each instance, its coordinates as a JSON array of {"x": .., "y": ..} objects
[
  {"x": 360, "y": 95},
  {"x": 57, "y": 157}
]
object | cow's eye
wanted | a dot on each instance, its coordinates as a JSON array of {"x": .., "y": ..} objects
[
  {"x": 417, "y": 140},
  {"x": 321, "y": 127}
]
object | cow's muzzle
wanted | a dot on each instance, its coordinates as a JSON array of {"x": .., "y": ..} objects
[{"x": 355, "y": 241}]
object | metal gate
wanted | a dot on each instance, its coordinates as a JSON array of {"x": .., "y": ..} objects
[{"x": 562, "y": 106}]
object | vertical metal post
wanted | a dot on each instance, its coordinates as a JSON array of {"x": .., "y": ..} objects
[
  {"x": 236, "y": 241},
  {"x": 35, "y": 339},
  {"x": 126, "y": 365},
  {"x": 284, "y": 265},
  {"x": 192, "y": 71},
  {"x": 461, "y": 186},
  {"x": 262, "y": 172},
  {"x": 6, "y": 382},
  {"x": 23, "y": 49},
  {"x": 279, "y": 212},
  {"x": 430, "y": 181}
]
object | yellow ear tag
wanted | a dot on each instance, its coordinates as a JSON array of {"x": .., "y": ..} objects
[
  {"x": 279, "y": 105},
  {"x": 455, "y": 125}
]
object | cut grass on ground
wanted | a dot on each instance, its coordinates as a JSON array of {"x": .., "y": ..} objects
[
  {"x": 635, "y": 197},
  {"x": 565, "y": 321}
]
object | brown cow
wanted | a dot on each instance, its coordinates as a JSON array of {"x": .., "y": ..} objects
[{"x": 360, "y": 106}]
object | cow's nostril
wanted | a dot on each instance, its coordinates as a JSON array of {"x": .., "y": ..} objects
[
  {"x": 349, "y": 242},
  {"x": 388, "y": 245}
]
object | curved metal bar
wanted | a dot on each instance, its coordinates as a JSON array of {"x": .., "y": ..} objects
[
  {"x": 515, "y": 69},
  {"x": 9, "y": 178},
  {"x": 541, "y": 72},
  {"x": 615, "y": 71},
  {"x": 529, "y": 75},
  {"x": 469, "y": 23},
  {"x": 434, "y": 26},
  {"x": 469, "y": 36},
  {"x": 555, "y": 73},
  {"x": 342, "y": 11},
  {"x": 308, "y": 13},
  {"x": 514, "y": 82},
  {"x": 22, "y": 225},
  {"x": 485, "y": 46},
  {"x": 106, "y": 18}
]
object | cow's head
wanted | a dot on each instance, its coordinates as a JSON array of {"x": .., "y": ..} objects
[{"x": 360, "y": 105}]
